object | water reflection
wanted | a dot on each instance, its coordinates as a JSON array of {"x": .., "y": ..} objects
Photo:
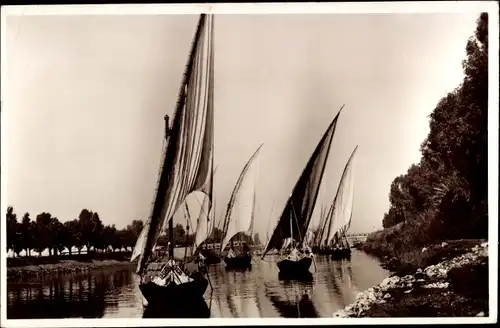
[
  {"x": 260, "y": 292},
  {"x": 196, "y": 309}
]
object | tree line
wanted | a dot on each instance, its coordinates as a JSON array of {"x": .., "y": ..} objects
[
  {"x": 444, "y": 196},
  {"x": 46, "y": 232}
]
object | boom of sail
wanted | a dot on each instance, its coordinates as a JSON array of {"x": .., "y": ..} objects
[
  {"x": 187, "y": 161},
  {"x": 340, "y": 213},
  {"x": 301, "y": 203},
  {"x": 241, "y": 207}
]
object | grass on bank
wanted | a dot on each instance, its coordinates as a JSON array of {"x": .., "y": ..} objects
[{"x": 415, "y": 244}]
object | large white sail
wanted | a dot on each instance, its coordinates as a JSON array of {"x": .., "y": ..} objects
[
  {"x": 240, "y": 212},
  {"x": 341, "y": 211},
  {"x": 188, "y": 161}
]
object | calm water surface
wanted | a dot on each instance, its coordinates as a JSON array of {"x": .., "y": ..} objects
[{"x": 114, "y": 292}]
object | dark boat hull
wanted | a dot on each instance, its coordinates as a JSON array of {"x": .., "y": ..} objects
[
  {"x": 239, "y": 262},
  {"x": 289, "y": 267},
  {"x": 210, "y": 257},
  {"x": 181, "y": 294}
]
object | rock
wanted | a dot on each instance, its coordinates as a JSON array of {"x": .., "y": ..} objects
[
  {"x": 437, "y": 285},
  {"x": 424, "y": 249},
  {"x": 480, "y": 314},
  {"x": 419, "y": 270},
  {"x": 341, "y": 314},
  {"x": 444, "y": 244},
  {"x": 408, "y": 291},
  {"x": 484, "y": 245},
  {"x": 387, "y": 295}
]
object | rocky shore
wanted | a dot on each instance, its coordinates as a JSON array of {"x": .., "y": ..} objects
[
  {"x": 62, "y": 267},
  {"x": 453, "y": 287}
]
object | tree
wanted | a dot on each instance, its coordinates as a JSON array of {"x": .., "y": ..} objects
[
  {"x": 13, "y": 232},
  {"x": 44, "y": 239},
  {"x": 28, "y": 230},
  {"x": 449, "y": 186},
  {"x": 90, "y": 227}
]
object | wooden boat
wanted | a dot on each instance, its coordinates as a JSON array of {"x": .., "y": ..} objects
[
  {"x": 331, "y": 239},
  {"x": 179, "y": 177},
  {"x": 239, "y": 216},
  {"x": 289, "y": 234}
]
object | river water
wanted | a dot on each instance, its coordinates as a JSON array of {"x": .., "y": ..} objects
[{"x": 114, "y": 292}]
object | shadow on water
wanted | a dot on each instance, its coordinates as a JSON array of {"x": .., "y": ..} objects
[
  {"x": 68, "y": 297},
  {"x": 303, "y": 308},
  {"x": 195, "y": 309},
  {"x": 301, "y": 277}
]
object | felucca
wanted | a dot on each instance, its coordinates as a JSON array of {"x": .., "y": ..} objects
[
  {"x": 332, "y": 239},
  {"x": 186, "y": 167},
  {"x": 240, "y": 216},
  {"x": 290, "y": 233}
]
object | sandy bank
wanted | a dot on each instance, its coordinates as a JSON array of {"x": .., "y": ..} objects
[{"x": 453, "y": 287}]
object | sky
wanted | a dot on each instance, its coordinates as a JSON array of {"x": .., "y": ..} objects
[{"x": 87, "y": 96}]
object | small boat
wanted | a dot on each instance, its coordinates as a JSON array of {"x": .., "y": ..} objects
[
  {"x": 240, "y": 216},
  {"x": 331, "y": 239},
  {"x": 178, "y": 282},
  {"x": 289, "y": 236}
]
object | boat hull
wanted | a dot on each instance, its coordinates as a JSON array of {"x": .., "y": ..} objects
[
  {"x": 181, "y": 294},
  {"x": 290, "y": 267},
  {"x": 239, "y": 262},
  {"x": 210, "y": 257}
]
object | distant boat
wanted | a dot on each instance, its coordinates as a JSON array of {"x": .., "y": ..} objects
[
  {"x": 290, "y": 233},
  {"x": 186, "y": 167},
  {"x": 331, "y": 238},
  {"x": 240, "y": 216}
]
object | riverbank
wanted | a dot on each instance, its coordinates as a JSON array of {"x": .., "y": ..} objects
[
  {"x": 62, "y": 267},
  {"x": 450, "y": 280}
]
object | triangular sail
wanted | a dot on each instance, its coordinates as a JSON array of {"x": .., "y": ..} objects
[
  {"x": 341, "y": 210},
  {"x": 240, "y": 210},
  {"x": 188, "y": 161},
  {"x": 321, "y": 225},
  {"x": 301, "y": 203}
]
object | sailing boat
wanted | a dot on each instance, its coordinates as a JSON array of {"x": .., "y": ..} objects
[
  {"x": 240, "y": 216},
  {"x": 332, "y": 239},
  {"x": 289, "y": 234},
  {"x": 187, "y": 164}
]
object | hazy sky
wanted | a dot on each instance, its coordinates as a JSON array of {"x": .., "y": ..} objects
[{"x": 87, "y": 96}]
